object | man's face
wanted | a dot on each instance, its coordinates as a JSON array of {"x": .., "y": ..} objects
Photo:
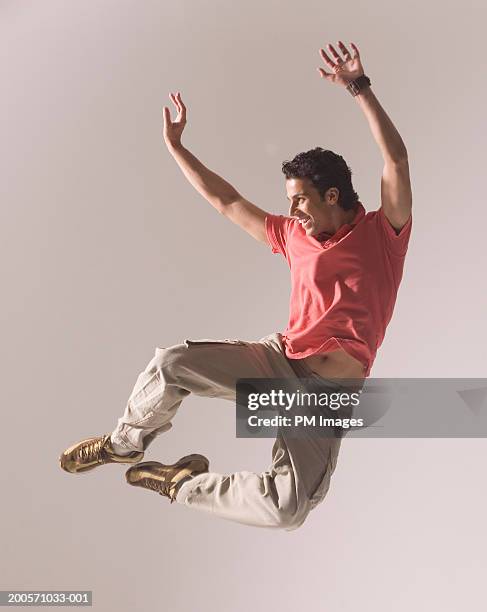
[{"x": 307, "y": 206}]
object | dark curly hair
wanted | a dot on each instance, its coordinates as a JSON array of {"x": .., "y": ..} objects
[{"x": 324, "y": 169}]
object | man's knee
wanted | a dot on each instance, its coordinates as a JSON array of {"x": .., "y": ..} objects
[
  {"x": 169, "y": 360},
  {"x": 289, "y": 521}
]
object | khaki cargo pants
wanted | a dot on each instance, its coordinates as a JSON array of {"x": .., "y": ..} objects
[{"x": 299, "y": 475}]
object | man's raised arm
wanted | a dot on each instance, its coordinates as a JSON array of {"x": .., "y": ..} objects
[
  {"x": 219, "y": 193},
  {"x": 395, "y": 185}
]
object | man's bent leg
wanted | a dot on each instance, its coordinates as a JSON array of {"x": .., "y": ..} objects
[
  {"x": 204, "y": 367},
  {"x": 298, "y": 478},
  {"x": 277, "y": 498},
  {"x": 280, "y": 497}
]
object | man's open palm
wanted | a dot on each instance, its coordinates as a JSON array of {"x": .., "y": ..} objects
[
  {"x": 174, "y": 129},
  {"x": 344, "y": 70}
]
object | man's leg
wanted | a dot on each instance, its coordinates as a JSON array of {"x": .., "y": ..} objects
[
  {"x": 301, "y": 468},
  {"x": 298, "y": 478},
  {"x": 277, "y": 498},
  {"x": 208, "y": 368}
]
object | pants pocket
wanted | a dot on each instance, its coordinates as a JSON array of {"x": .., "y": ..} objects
[{"x": 230, "y": 341}]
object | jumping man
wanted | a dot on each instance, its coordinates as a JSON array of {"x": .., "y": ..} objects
[{"x": 346, "y": 266}]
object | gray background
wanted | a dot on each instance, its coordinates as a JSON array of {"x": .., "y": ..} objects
[{"x": 107, "y": 252}]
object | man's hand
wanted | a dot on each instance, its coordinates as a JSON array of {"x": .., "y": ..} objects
[
  {"x": 344, "y": 70},
  {"x": 173, "y": 129}
]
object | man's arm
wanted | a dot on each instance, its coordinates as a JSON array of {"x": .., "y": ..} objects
[
  {"x": 216, "y": 190},
  {"x": 395, "y": 185},
  {"x": 385, "y": 134}
]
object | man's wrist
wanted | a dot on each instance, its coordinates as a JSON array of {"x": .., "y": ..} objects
[
  {"x": 174, "y": 147},
  {"x": 364, "y": 94},
  {"x": 358, "y": 85}
]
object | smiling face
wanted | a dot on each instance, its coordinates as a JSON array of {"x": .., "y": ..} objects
[{"x": 316, "y": 215}]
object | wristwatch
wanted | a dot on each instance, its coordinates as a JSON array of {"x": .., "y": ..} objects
[{"x": 360, "y": 83}]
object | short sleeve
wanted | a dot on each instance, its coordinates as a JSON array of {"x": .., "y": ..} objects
[
  {"x": 396, "y": 243},
  {"x": 277, "y": 230}
]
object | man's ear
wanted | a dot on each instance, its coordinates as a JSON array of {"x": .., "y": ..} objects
[{"x": 332, "y": 195}]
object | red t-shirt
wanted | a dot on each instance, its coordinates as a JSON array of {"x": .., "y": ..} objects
[{"x": 344, "y": 288}]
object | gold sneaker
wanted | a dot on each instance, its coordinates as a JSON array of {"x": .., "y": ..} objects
[
  {"x": 166, "y": 479},
  {"x": 92, "y": 452}
]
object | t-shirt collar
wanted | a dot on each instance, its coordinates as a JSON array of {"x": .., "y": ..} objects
[{"x": 344, "y": 229}]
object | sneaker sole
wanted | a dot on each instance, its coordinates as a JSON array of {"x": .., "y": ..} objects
[
  {"x": 146, "y": 465},
  {"x": 80, "y": 470}
]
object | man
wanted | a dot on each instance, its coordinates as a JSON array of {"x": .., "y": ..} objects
[{"x": 346, "y": 267}]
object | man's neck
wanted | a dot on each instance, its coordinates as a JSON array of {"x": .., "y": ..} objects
[{"x": 343, "y": 217}]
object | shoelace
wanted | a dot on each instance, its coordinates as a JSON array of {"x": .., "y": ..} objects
[
  {"x": 163, "y": 488},
  {"x": 91, "y": 450}
]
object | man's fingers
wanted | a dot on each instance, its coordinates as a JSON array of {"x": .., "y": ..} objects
[
  {"x": 175, "y": 100},
  {"x": 181, "y": 103},
  {"x": 344, "y": 50},
  {"x": 357, "y": 53},
  {"x": 167, "y": 115},
  {"x": 327, "y": 60},
  {"x": 182, "y": 107},
  {"x": 325, "y": 74},
  {"x": 334, "y": 52}
]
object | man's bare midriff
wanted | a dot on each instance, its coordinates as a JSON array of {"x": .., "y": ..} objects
[{"x": 336, "y": 364}]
